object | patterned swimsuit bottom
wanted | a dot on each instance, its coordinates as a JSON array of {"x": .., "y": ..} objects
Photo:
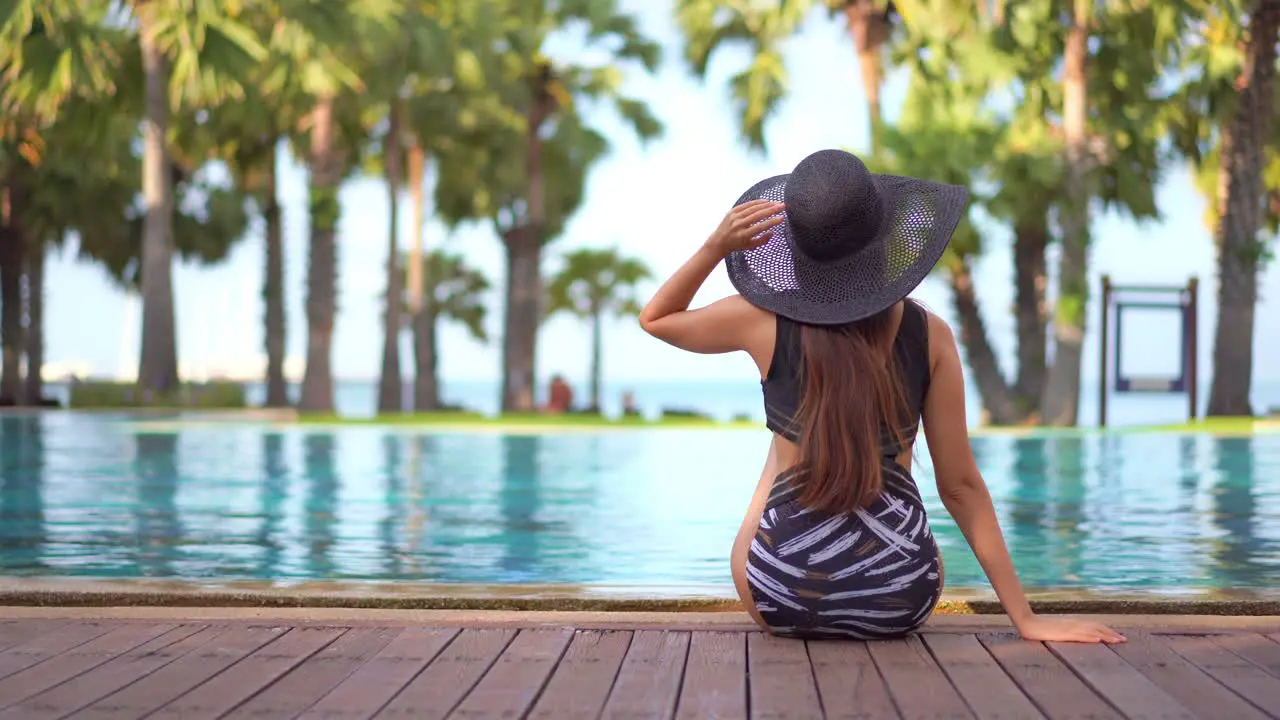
[{"x": 870, "y": 574}]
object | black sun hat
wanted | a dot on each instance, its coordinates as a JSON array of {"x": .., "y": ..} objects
[{"x": 852, "y": 243}]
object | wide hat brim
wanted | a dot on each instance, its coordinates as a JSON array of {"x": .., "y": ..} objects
[{"x": 920, "y": 218}]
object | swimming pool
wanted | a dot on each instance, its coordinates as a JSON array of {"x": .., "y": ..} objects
[{"x": 99, "y": 496}]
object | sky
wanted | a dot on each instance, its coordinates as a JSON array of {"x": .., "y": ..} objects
[{"x": 656, "y": 202}]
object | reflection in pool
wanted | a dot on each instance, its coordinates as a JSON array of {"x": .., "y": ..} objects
[{"x": 100, "y": 496}]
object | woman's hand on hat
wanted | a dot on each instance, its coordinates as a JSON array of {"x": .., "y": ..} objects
[{"x": 747, "y": 226}]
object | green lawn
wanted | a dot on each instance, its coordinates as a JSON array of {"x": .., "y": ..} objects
[{"x": 1213, "y": 426}]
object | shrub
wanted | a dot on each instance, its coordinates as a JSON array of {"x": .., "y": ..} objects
[
  {"x": 210, "y": 395},
  {"x": 684, "y": 414}
]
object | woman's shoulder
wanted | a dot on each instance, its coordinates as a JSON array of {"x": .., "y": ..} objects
[
  {"x": 938, "y": 327},
  {"x": 940, "y": 337},
  {"x": 743, "y": 314},
  {"x": 756, "y": 327}
]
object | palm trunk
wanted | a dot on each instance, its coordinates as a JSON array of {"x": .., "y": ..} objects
[
  {"x": 1241, "y": 203},
  {"x": 391, "y": 384},
  {"x": 524, "y": 303},
  {"x": 273, "y": 287},
  {"x": 428, "y": 324},
  {"x": 426, "y": 382},
  {"x": 317, "y": 383},
  {"x": 35, "y": 324},
  {"x": 998, "y": 401},
  {"x": 158, "y": 359},
  {"x": 524, "y": 275},
  {"x": 1059, "y": 404},
  {"x": 417, "y": 199},
  {"x": 1031, "y": 237},
  {"x": 597, "y": 355},
  {"x": 869, "y": 28},
  {"x": 12, "y": 246}
]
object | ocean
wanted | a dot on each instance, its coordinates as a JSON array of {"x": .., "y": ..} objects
[{"x": 727, "y": 399}]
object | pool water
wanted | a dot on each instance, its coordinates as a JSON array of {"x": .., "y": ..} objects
[{"x": 112, "y": 497}]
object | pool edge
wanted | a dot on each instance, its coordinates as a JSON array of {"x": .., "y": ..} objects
[{"x": 279, "y": 599}]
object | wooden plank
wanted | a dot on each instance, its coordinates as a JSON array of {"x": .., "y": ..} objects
[
  {"x": 514, "y": 682},
  {"x": 112, "y": 675},
  {"x": 1152, "y": 657},
  {"x": 317, "y": 675},
  {"x": 918, "y": 686},
  {"x": 781, "y": 679},
  {"x": 42, "y": 647},
  {"x": 715, "y": 677},
  {"x": 979, "y": 679},
  {"x": 173, "y": 680},
  {"x": 77, "y": 660},
  {"x": 1118, "y": 682},
  {"x": 1243, "y": 677},
  {"x": 16, "y": 632},
  {"x": 447, "y": 680},
  {"x": 1253, "y": 647},
  {"x": 582, "y": 680},
  {"x": 849, "y": 684},
  {"x": 1046, "y": 680},
  {"x": 365, "y": 691},
  {"x": 227, "y": 690},
  {"x": 648, "y": 684}
]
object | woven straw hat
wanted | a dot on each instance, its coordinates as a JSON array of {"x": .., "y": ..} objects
[{"x": 852, "y": 243}]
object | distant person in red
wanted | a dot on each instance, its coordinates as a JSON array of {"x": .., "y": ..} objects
[{"x": 560, "y": 396}]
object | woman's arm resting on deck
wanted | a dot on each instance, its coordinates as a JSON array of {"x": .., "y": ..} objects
[
  {"x": 719, "y": 327},
  {"x": 965, "y": 495}
]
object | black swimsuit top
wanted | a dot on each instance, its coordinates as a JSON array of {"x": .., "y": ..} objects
[{"x": 783, "y": 385}]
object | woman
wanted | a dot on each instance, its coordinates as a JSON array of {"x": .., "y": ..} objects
[{"x": 836, "y": 543}]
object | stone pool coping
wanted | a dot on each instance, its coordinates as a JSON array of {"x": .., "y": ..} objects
[{"x": 142, "y": 593}]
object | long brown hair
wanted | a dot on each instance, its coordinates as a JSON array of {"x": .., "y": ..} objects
[{"x": 852, "y": 392}]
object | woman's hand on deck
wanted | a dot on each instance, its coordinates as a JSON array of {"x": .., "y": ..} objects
[
  {"x": 746, "y": 227},
  {"x": 1046, "y": 629}
]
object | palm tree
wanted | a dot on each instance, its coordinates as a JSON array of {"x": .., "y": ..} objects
[
  {"x": 395, "y": 63},
  {"x": 1058, "y": 404},
  {"x": 1014, "y": 162},
  {"x": 869, "y": 23},
  {"x": 453, "y": 291},
  {"x": 33, "y": 339},
  {"x": 446, "y": 108},
  {"x": 709, "y": 26},
  {"x": 1116, "y": 60},
  {"x": 246, "y": 136},
  {"x": 50, "y": 54},
  {"x": 250, "y": 135},
  {"x": 530, "y": 201},
  {"x": 323, "y": 160},
  {"x": 590, "y": 285},
  {"x": 12, "y": 260},
  {"x": 762, "y": 28},
  {"x": 419, "y": 61},
  {"x": 324, "y": 55},
  {"x": 391, "y": 382},
  {"x": 188, "y": 53},
  {"x": 1241, "y": 200},
  {"x": 424, "y": 385}
]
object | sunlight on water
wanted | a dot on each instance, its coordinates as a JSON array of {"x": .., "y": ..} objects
[{"x": 94, "y": 496}]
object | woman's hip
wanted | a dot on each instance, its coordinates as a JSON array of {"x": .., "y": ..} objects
[{"x": 874, "y": 572}]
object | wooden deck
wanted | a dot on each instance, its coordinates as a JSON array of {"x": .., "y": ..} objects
[{"x": 212, "y": 668}]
